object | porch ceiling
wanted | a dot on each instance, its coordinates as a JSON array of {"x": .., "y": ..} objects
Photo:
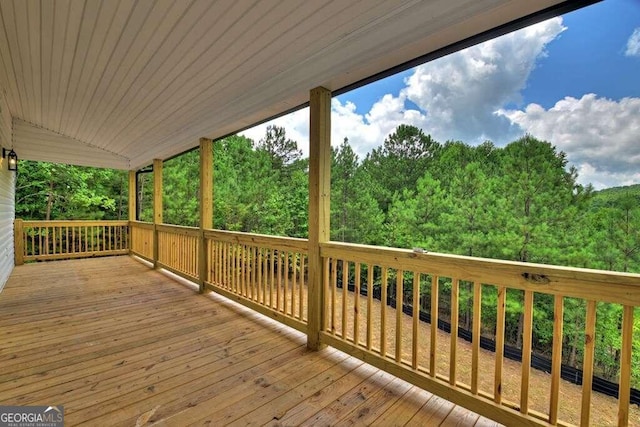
[{"x": 119, "y": 83}]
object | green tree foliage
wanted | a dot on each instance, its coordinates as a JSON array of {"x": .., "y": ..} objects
[
  {"x": 48, "y": 191},
  {"x": 355, "y": 215},
  {"x": 539, "y": 191},
  {"x": 250, "y": 195},
  {"x": 181, "y": 186},
  {"x": 403, "y": 158},
  {"x": 282, "y": 151}
]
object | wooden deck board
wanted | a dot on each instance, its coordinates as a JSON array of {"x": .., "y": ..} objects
[{"x": 117, "y": 343}]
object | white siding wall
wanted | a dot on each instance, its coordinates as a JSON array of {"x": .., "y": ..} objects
[{"x": 7, "y": 191}]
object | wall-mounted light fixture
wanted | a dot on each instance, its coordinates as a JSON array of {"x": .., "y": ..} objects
[{"x": 12, "y": 159}]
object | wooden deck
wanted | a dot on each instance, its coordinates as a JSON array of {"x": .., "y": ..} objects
[{"x": 117, "y": 343}]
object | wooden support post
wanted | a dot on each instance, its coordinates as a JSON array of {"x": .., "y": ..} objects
[
  {"x": 18, "y": 242},
  {"x": 206, "y": 207},
  {"x": 319, "y": 207},
  {"x": 132, "y": 195},
  {"x": 157, "y": 206},
  {"x": 132, "y": 206}
]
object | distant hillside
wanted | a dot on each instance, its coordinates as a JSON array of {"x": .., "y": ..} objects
[
  {"x": 633, "y": 189},
  {"x": 612, "y": 196}
]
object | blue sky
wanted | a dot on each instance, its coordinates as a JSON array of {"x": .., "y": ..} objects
[{"x": 572, "y": 80}]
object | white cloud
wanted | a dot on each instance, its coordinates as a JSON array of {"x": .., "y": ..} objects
[
  {"x": 633, "y": 44},
  {"x": 599, "y": 135},
  {"x": 462, "y": 96},
  {"x": 296, "y": 125},
  {"x": 461, "y": 92},
  {"x": 364, "y": 132},
  {"x": 603, "y": 179},
  {"x": 457, "y": 96}
]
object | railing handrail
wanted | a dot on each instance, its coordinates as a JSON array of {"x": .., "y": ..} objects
[
  {"x": 178, "y": 229},
  {"x": 71, "y": 222},
  {"x": 621, "y": 288},
  {"x": 273, "y": 242}
]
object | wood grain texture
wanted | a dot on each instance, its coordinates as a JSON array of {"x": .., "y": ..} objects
[
  {"x": 608, "y": 286},
  {"x": 319, "y": 204},
  {"x": 114, "y": 353}
]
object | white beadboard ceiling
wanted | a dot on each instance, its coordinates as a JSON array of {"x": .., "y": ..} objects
[{"x": 117, "y": 83}]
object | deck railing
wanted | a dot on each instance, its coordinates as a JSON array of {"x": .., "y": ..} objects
[
  {"x": 383, "y": 335},
  {"x": 266, "y": 273},
  {"x": 142, "y": 239},
  {"x": 178, "y": 250},
  {"x": 374, "y": 301},
  {"x": 51, "y": 240}
]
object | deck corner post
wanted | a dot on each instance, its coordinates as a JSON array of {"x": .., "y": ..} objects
[
  {"x": 319, "y": 206},
  {"x": 206, "y": 208},
  {"x": 132, "y": 207},
  {"x": 18, "y": 240},
  {"x": 157, "y": 207}
]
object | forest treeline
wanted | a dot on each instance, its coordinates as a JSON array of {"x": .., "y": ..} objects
[{"x": 519, "y": 202}]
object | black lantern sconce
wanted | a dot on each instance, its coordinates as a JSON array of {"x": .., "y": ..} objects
[{"x": 12, "y": 159}]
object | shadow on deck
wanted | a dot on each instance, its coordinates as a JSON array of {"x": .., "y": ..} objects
[{"x": 117, "y": 343}]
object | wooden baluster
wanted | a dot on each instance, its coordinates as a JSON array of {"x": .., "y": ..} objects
[
  {"x": 263, "y": 274},
  {"x": 356, "y": 305},
  {"x": 247, "y": 271},
  {"x": 219, "y": 262},
  {"x": 233, "y": 268},
  {"x": 230, "y": 270},
  {"x": 211, "y": 261},
  {"x": 345, "y": 291},
  {"x": 273, "y": 277},
  {"x": 254, "y": 272},
  {"x": 415, "y": 305},
  {"x": 526, "y": 351},
  {"x": 433, "y": 350},
  {"x": 333, "y": 284},
  {"x": 225, "y": 265},
  {"x": 46, "y": 240},
  {"x": 625, "y": 366},
  {"x": 369, "y": 304},
  {"x": 556, "y": 358},
  {"x": 294, "y": 284},
  {"x": 286, "y": 281},
  {"x": 238, "y": 271},
  {"x": 327, "y": 324},
  {"x": 500, "y": 318},
  {"x": 453, "y": 353},
  {"x": 302, "y": 286},
  {"x": 183, "y": 253},
  {"x": 399, "y": 303},
  {"x": 33, "y": 241},
  {"x": 587, "y": 364},
  {"x": 279, "y": 288},
  {"x": 243, "y": 271},
  {"x": 475, "y": 335},
  {"x": 251, "y": 268},
  {"x": 383, "y": 312}
]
